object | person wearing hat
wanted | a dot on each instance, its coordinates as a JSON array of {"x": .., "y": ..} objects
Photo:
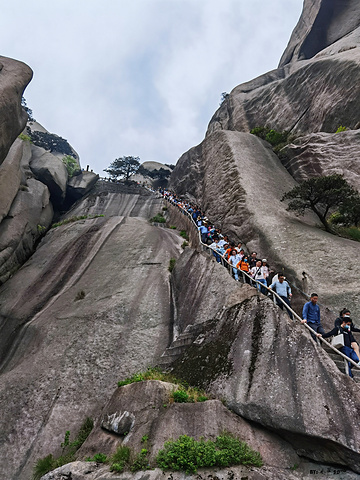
[{"x": 345, "y": 313}]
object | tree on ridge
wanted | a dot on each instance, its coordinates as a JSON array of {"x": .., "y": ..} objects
[{"x": 123, "y": 167}]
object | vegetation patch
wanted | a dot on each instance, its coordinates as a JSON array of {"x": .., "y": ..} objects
[
  {"x": 185, "y": 392},
  {"x": 98, "y": 458},
  {"x": 277, "y": 139},
  {"x": 141, "y": 461},
  {"x": 80, "y": 295},
  {"x": 71, "y": 165},
  {"x": 187, "y": 454},
  {"x": 48, "y": 463},
  {"x": 120, "y": 459},
  {"x": 184, "y": 234},
  {"x": 25, "y": 138},
  {"x": 341, "y": 129},
  {"x": 74, "y": 219},
  {"x": 159, "y": 218},
  {"x": 184, "y": 244},
  {"x": 172, "y": 263}
]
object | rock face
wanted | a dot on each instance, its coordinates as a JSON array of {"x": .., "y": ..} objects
[
  {"x": 51, "y": 171},
  {"x": 80, "y": 185},
  {"x": 14, "y": 76},
  {"x": 237, "y": 179},
  {"x": 62, "y": 351},
  {"x": 315, "y": 87},
  {"x": 324, "y": 154},
  {"x": 322, "y": 23},
  {"x": 271, "y": 372}
]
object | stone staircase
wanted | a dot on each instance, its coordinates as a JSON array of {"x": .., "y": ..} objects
[
  {"x": 192, "y": 334},
  {"x": 340, "y": 363}
]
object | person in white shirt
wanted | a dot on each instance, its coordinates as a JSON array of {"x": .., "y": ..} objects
[{"x": 258, "y": 273}]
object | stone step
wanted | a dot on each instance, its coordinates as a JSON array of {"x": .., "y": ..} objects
[{"x": 180, "y": 341}]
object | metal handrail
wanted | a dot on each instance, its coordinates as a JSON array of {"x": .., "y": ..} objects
[{"x": 274, "y": 294}]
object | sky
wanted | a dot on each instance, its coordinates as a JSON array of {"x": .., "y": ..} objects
[{"x": 140, "y": 77}]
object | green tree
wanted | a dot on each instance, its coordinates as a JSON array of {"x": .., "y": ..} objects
[
  {"x": 123, "y": 167},
  {"x": 322, "y": 195}
]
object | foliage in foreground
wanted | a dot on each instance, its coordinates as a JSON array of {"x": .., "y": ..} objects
[
  {"x": 172, "y": 263},
  {"x": 48, "y": 463},
  {"x": 187, "y": 454},
  {"x": 275, "y": 138}
]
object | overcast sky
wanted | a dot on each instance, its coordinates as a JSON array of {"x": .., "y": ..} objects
[{"x": 140, "y": 77}]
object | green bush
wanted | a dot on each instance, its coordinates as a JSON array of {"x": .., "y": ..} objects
[
  {"x": 172, "y": 263},
  {"x": 159, "y": 218},
  {"x": 187, "y": 454},
  {"x": 184, "y": 234},
  {"x": 173, "y": 227},
  {"x": 43, "y": 466},
  {"x": 275, "y": 138},
  {"x": 25, "y": 138},
  {"x": 141, "y": 461},
  {"x": 69, "y": 449},
  {"x": 71, "y": 165},
  {"x": 341, "y": 129},
  {"x": 98, "y": 458},
  {"x": 184, "y": 244},
  {"x": 180, "y": 396}
]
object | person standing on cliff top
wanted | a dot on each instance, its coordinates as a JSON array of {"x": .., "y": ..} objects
[{"x": 311, "y": 315}]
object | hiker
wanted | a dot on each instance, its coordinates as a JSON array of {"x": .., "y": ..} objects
[
  {"x": 349, "y": 341},
  {"x": 311, "y": 315},
  {"x": 345, "y": 313},
  {"x": 283, "y": 289},
  {"x": 234, "y": 259},
  {"x": 258, "y": 273}
]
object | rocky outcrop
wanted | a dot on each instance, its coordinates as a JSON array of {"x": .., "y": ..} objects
[
  {"x": 324, "y": 154},
  {"x": 310, "y": 96},
  {"x": 271, "y": 372},
  {"x": 62, "y": 351},
  {"x": 51, "y": 171},
  {"x": 80, "y": 185},
  {"x": 14, "y": 76},
  {"x": 239, "y": 181},
  {"x": 322, "y": 23}
]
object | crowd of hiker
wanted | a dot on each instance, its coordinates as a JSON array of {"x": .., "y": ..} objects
[{"x": 251, "y": 267}]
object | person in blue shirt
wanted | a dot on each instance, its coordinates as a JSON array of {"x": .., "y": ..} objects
[
  {"x": 311, "y": 315},
  {"x": 282, "y": 288}
]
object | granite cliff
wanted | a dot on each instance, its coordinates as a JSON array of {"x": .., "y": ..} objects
[{"x": 95, "y": 302}]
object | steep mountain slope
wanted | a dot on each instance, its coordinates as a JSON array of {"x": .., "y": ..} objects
[{"x": 63, "y": 354}]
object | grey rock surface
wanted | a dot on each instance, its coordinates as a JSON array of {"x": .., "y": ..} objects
[
  {"x": 61, "y": 357},
  {"x": 30, "y": 212},
  {"x": 81, "y": 184},
  {"x": 156, "y": 417},
  {"x": 324, "y": 154},
  {"x": 51, "y": 171},
  {"x": 271, "y": 372},
  {"x": 10, "y": 177},
  {"x": 14, "y": 77},
  {"x": 322, "y": 23},
  {"x": 305, "y": 97},
  {"x": 238, "y": 181}
]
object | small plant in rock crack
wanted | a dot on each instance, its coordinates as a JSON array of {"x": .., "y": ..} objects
[{"x": 80, "y": 295}]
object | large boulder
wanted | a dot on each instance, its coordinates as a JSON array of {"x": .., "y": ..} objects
[
  {"x": 155, "y": 416},
  {"x": 80, "y": 185},
  {"x": 10, "y": 177},
  {"x": 29, "y": 216},
  {"x": 270, "y": 371},
  {"x": 14, "y": 77},
  {"x": 51, "y": 171}
]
